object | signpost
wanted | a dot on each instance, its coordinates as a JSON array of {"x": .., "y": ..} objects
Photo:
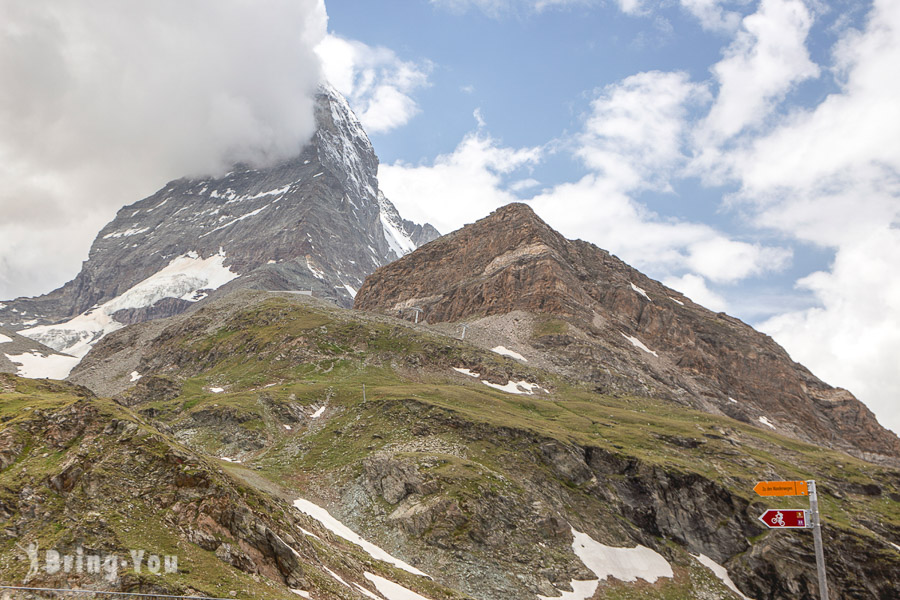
[
  {"x": 797, "y": 518},
  {"x": 782, "y": 488},
  {"x": 785, "y": 519}
]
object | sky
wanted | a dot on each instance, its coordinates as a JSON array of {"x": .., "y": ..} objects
[{"x": 745, "y": 153}]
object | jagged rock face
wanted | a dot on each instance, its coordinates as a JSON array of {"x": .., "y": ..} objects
[
  {"x": 622, "y": 330},
  {"x": 316, "y": 222}
]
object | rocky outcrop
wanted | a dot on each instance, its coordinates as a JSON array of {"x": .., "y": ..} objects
[{"x": 624, "y": 332}]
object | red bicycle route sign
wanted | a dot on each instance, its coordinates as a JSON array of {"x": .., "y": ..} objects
[{"x": 781, "y": 518}]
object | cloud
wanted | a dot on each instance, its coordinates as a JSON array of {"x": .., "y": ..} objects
[
  {"x": 461, "y": 187},
  {"x": 100, "y": 107},
  {"x": 376, "y": 83},
  {"x": 852, "y": 339},
  {"x": 764, "y": 61},
  {"x": 635, "y": 132},
  {"x": 712, "y": 15},
  {"x": 694, "y": 287}
]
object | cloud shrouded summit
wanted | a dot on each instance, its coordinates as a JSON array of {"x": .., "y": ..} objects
[{"x": 99, "y": 107}]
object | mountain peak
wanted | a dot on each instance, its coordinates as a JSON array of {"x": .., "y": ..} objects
[
  {"x": 616, "y": 329},
  {"x": 316, "y": 222}
]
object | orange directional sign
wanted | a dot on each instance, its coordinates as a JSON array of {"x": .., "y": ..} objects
[{"x": 781, "y": 488}]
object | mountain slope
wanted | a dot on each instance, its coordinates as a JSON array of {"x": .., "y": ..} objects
[
  {"x": 316, "y": 222},
  {"x": 85, "y": 477},
  {"x": 497, "y": 478},
  {"x": 618, "y": 329}
]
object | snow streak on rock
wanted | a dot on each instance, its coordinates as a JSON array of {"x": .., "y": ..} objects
[
  {"x": 720, "y": 572},
  {"x": 504, "y": 351},
  {"x": 639, "y": 344},
  {"x": 184, "y": 277},
  {"x": 395, "y": 233},
  {"x": 391, "y": 590},
  {"x": 336, "y": 527}
]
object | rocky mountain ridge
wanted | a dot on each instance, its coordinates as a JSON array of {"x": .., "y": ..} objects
[
  {"x": 619, "y": 329},
  {"x": 317, "y": 222}
]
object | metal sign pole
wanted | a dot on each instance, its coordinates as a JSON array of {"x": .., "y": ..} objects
[{"x": 817, "y": 539}]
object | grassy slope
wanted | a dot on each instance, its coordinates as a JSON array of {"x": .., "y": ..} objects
[
  {"x": 289, "y": 353},
  {"x": 127, "y": 498}
]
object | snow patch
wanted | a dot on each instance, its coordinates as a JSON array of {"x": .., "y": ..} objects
[
  {"x": 896, "y": 547},
  {"x": 318, "y": 413},
  {"x": 639, "y": 344},
  {"x": 288, "y": 427},
  {"x": 366, "y": 592},
  {"x": 640, "y": 291},
  {"x": 317, "y": 174},
  {"x": 183, "y": 277},
  {"x": 676, "y": 300},
  {"x": 466, "y": 372},
  {"x": 135, "y": 376},
  {"x": 350, "y": 290},
  {"x": 336, "y": 576},
  {"x": 503, "y": 350},
  {"x": 126, "y": 233},
  {"x": 318, "y": 273},
  {"x": 336, "y": 527},
  {"x": 719, "y": 572},
  {"x": 276, "y": 192},
  {"x": 391, "y": 590},
  {"x": 624, "y": 564},
  {"x": 515, "y": 387},
  {"x": 233, "y": 221},
  {"x": 35, "y": 365},
  {"x": 766, "y": 422},
  {"x": 231, "y": 460},
  {"x": 732, "y": 400},
  {"x": 395, "y": 234},
  {"x": 216, "y": 390},
  {"x": 301, "y": 593},
  {"x": 4, "y": 339}
]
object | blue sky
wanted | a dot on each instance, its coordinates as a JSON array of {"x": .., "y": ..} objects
[{"x": 744, "y": 152}]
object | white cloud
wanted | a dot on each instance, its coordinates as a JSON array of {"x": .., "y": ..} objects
[
  {"x": 764, "y": 61},
  {"x": 853, "y": 338},
  {"x": 100, "y": 107},
  {"x": 636, "y": 130},
  {"x": 712, "y": 15},
  {"x": 459, "y": 187},
  {"x": 694, "y": 287},
  {"x": 727, "y": 261},
  {"x": 375, "y": 81}
]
